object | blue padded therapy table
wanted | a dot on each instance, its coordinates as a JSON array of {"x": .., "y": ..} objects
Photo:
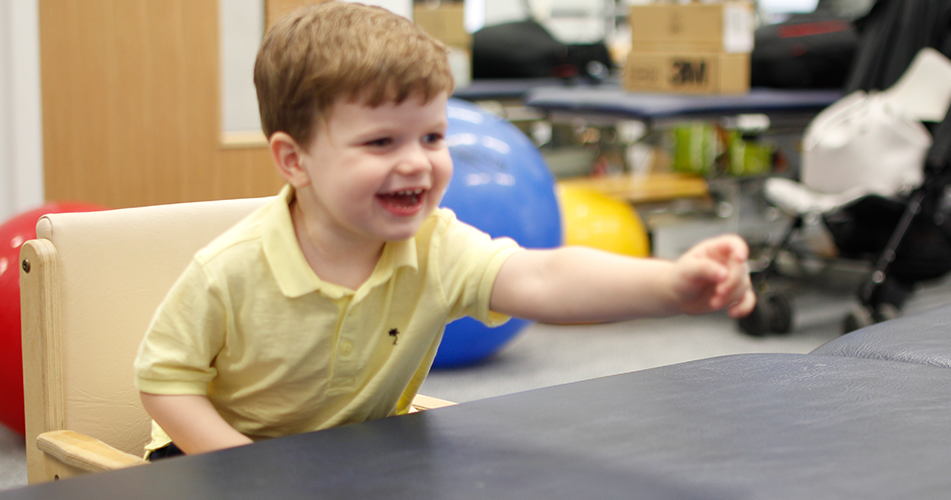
[
  {"x": 610, "y": 100},
  {"x": 866, "y": 417}
]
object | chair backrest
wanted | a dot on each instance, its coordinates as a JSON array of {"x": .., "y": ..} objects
[{"x": 88, "y": 292}]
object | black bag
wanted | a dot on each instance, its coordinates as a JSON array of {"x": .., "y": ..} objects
[
  {"x": 525, "y": 49},
  {"x": 521, "y": 49},
  {"x": 590, "y": 60},
  {"x": 805, "y": 51}
]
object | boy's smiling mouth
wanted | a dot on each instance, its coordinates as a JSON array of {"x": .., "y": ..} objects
[{"x": 403, "y": 202}]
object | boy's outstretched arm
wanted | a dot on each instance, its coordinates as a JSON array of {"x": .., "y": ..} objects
[
  {"x": 576, "y": 284},
  {"x": 192, "y": 422}
]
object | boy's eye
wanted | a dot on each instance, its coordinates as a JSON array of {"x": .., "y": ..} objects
[
  {"x": 381, "y": 142},
  {"x": 432, "y": 138}
]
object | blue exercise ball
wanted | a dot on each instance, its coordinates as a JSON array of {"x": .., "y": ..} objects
[{"x": 502, "y": 186}]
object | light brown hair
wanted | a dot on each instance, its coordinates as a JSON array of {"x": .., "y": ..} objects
[{"x": 321, "y": 52}]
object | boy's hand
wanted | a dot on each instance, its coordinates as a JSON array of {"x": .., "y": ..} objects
[{"x": 714, "y": 275}]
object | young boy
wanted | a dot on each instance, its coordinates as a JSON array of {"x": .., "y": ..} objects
[{"x": 327, "y": 305}]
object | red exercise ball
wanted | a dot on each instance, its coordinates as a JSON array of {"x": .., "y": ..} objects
[{"x": 13, "y": 233}]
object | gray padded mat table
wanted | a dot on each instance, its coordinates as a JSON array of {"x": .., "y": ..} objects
[
  {"x": 762, "y": 426},
  {"x": 923, "y": 338}
]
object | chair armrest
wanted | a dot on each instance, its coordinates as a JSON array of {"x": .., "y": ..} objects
[
  {"x": 90, "y": 454},
  {"x": 421, "y": 403},
  {"x": 83, "y": 452}
]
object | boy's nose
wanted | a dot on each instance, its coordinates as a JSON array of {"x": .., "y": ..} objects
[{"x": 414, "y": 161}]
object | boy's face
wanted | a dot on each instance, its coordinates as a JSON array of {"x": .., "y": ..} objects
[{"x": 377, "y": 173}]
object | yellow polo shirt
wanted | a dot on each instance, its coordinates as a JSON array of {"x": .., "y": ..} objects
[{"x": 278, "y": 351}]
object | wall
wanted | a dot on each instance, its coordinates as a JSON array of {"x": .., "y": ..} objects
[
  {"x": 131, "y": 105},
  {"x": 21, "y": 153}
]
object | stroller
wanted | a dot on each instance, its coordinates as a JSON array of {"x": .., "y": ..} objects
[{"x": 893, "y": 213}]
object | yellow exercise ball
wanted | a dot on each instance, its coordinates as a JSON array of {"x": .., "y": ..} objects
[{"x": 596, "y": 220}]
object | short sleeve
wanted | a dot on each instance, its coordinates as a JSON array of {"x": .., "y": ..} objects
[
  {"x": 185, "y": 335},
  {"x": 469, "y": 261}
]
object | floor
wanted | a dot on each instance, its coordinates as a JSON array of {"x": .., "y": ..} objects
[{"x": 544, "y": 355}]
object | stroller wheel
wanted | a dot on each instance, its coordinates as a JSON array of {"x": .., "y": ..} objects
[
  {"x": 781, "y": 318},
  {"x": 859, "y": 317},
  {"x": 773, "y": 313},
  {"x": 755, "y": 323}
]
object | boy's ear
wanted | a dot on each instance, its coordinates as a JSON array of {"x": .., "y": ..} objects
[{"x": 287, "y": 155}]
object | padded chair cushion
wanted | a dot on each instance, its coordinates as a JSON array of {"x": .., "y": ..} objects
[
  {"x": 129, "y": 257},
  {"x": 923, "y": 338}
]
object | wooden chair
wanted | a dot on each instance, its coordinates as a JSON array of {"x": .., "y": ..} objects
[{"x": 89, "y": 285}]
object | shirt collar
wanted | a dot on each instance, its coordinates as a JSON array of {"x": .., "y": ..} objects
[{"x": 294, "y": 275}]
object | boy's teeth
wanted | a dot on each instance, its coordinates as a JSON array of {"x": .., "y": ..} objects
[{"x": 404, "y": 197}]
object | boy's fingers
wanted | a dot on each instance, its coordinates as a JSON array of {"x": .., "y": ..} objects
[
  {"x": 733, "y": 289},
  {"x": 725, "y": 249},
  {"x": 718, "y": 268},
  {"x": 734, "y": 296},
  {"x": 744, "y": 307},
  {"x": 735, "y": 248},
  {"x": 706, "y": 270},
  {"x": 740, "y": 249}
]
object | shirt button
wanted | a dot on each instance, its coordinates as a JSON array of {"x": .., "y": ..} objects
[{"x": 346, "y": 348}]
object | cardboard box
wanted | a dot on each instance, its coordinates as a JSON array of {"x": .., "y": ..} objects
[
  {"x": 446, "y": 23},
  {"x": 693, "y": 73},
  {"x": 694, "y": 27}
]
